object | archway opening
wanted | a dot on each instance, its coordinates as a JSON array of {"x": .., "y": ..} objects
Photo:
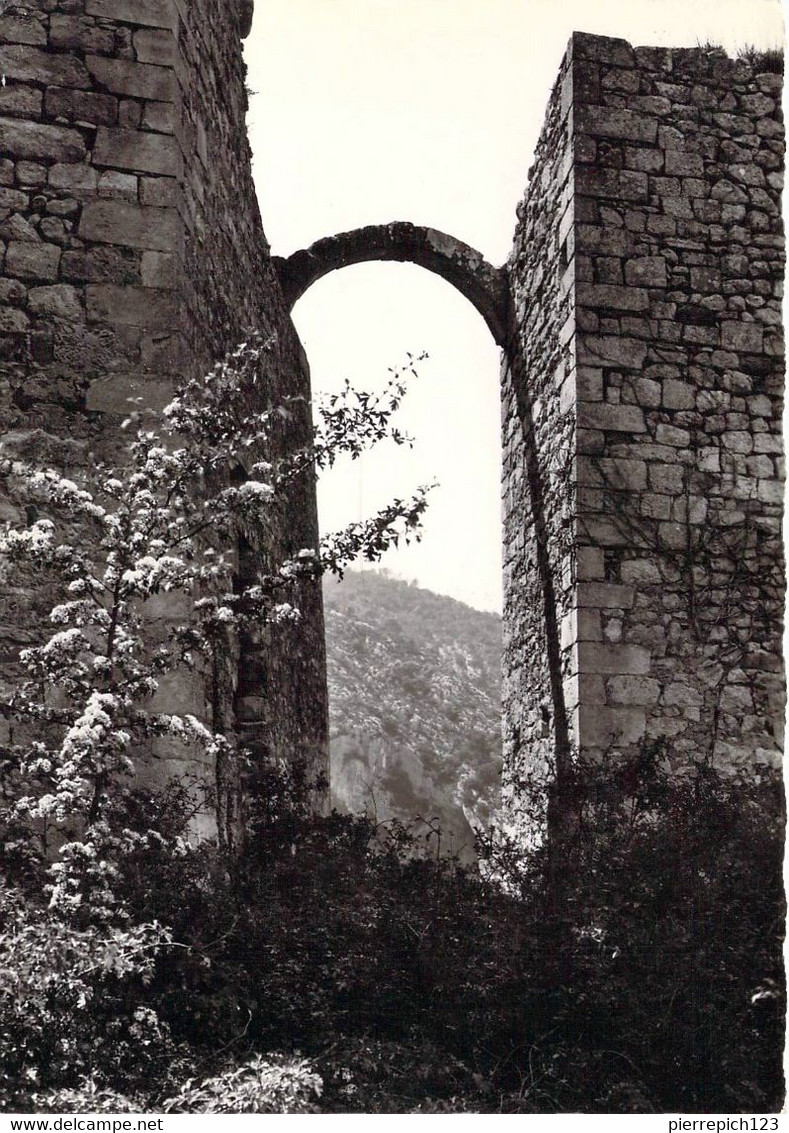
[{"x": 414, "y": 696}]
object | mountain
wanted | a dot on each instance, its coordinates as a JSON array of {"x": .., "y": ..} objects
[{"x": 414, "y": 705}]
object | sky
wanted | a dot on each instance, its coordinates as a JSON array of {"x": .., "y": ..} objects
[{"x": 368, "y": 111}]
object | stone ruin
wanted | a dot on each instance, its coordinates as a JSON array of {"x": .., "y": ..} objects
[{"x": 639, "y": 317}]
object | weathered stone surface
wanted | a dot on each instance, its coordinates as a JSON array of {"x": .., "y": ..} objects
[
  {"x": 32, "y": 260},
  {"x": 131, "y": 306},
  {"x": 58, "y": 302},
  {"x": 605, "y": 122},
  {"x": 13, "y": 321},
  {"x": 79, "y": 179},
  {"x": 35, "y": 139},
  {"x": 155, "y": 46},
  {"x": 602, "y": 726},
  {"x": 611, "y": 350},
  {"x": 159, "y": 116},
  {"x": 122, "y": 393},
  {"x": 634, "y": 690},
  {"x": 21, "y": 101},
  {"x": 19, "y": 29},
  {"x": 82, "y": 106},
  {"x": 150, "y": 13},
  {"x": 135, "y": 226},
  {"x": 606, "y": 295},
  {"x": 646, "y": 271},
  {"x": 122, "y": 76},
  {"x": 605, "y": 595},
  {"x": 118, "y": 186},
  {"x": 624, "y": 185},
  {"x": 159, "y": 269},
  {"x": 34, "y": 64},
  {"x": 742, "y": 336},
  {"x": 131, "y": 149}
]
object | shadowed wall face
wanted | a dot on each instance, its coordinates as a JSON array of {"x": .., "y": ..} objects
[
  {"x": 647, "y": 279},
  {"x": 134, "y": 254}
]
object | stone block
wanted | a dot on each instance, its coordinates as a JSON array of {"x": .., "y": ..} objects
[
  {"x": 728, "y": 192},
  {"x": 159, "y": 116},
  {"x": 605, "y": 595},
  {"x": 20, "y": 101},
  {"x": 622, "y": 474},
  {"x": 641, "y": 691},
  {"x": 39, "y": 140},
  {"x": 159, "y": 192},
  {"x": 771, "y": 492},
  {"x": 117, "y": 186},
  {"x": 135, "y": 226},
  {"x": 139, "y": 80},
  {"x": 14, "y": 198},
  {"x": 611, "y": 350},
  {"x": 589, "y": 382},
  {"x": 598, "y": 657},
  {"x": 75, "y": 32},
  {"x": 121, "y": 393},
  {"x": 589, "y": 563},
  {"x": 154, "y": 45},
  {"x": 36, "y": 65},
  {"x": 644, "y": 160},
  {"x": 611, "y": 122},
  {"x": 159, "y": 269},
  {"x": 596, "y": 240},
  {"x": 608, "y": 295},
  {"x": 648, "y": 393},
  {"x": 679, "y": 695},
  {"x": 747, "y": 337},
  {"x": 131, "y": 306},
  {"x": 165, "y": 353},
  {"x": 149, "y": 13},
  {"x": 680, "y": 163},
  {"x": 601, "y": 726},
  {"x": 671, "y": 435},
  {"x": 666, "y": 479},
  {"x": 678, "y": 395},
  {"x": 28, "y": 260},
  {"x": 18, "y": 29},
  {"x": 13, "y": 321},
  {"x": 102, "y": 264},
  {"x": 82, "y": 106},
  {"x": 58, "y": 302},
  {"x": 612, "y": 184},
  {"x": 580, "y": 625},
  {"x": 640, "y": 572},
  {"x": 144, "y": 153},
  {"x": 600, "y": 49},
  {"x": 78, "y": 179},
  {"x": 611, "y": 418}
]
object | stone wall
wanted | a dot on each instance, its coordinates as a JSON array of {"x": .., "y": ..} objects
[
  {"x": 131, "y": 253},
  {"x": 647, "y": 277}
]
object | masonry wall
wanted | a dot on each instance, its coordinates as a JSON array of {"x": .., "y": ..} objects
[
  {"x": 670, "y": 379},
  {"x": 132, "y": 254},
  {"x": 538, "y": 433}
]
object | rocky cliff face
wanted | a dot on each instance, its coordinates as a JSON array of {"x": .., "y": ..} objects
[{"x": 414, "y": 705}]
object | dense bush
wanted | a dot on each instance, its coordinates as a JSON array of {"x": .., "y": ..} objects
[{"x": 388, "y": 979}]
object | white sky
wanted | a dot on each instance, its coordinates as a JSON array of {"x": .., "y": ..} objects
[{"x": 368, "y": 111}]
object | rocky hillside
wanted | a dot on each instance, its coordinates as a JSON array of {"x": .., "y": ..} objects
[{"x": 414, "y": 695}]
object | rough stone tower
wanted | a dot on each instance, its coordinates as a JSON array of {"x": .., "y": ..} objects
[
  {"x": 131, "y": 253},
  {"x": 643, "y": 397}
]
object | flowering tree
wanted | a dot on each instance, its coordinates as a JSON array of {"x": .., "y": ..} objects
[{"x": 160, "y": 523}]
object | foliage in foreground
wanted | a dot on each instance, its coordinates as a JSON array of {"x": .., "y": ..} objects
[{"x": 386, "y": 979}]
